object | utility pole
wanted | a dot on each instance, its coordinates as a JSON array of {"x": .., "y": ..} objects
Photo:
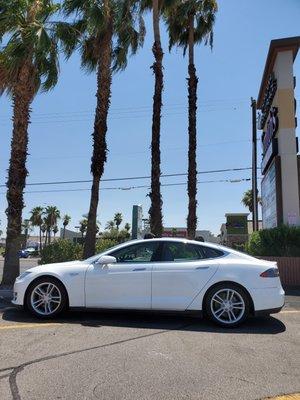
[{"x": 254, "y": 167}]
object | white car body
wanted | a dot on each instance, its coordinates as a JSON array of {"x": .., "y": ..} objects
[{"x": 158, "y": 285}]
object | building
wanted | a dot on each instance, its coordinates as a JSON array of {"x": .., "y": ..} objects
[
  {"x": 236, "y": 230},
  {"x": 181, "y": 232},
  {"x": 280, "y": 166}
]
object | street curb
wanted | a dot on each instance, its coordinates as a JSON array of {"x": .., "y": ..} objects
[{"x": 6, "y": 294}]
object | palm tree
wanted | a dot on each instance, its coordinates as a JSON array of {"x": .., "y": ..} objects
[
  {"x": 191, "y": 22},
  {"x": 247, "y": 200},
  {"x": 36, "y": 219},
  {"x": 28, "y": 62},
  {"x": 118, "y": 218},
  {"x": 155, "y": 211},
  {"x": 110, "y": 225},
  {"x": 26, "y": 228},
  {"x": 55, "y": 230},
  {"x": 105, "y": 31},
  {"x": 83, "y": 226},
  {"x": 52, "y": 215},
  {"x": 66, "y": 221}
]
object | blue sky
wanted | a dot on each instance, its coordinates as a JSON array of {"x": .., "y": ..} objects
[{"x": 60, "y": 132}]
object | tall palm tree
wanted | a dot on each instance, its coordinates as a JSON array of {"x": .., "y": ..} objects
[
  {"x": 127, "y": 227},
  {"x": 52, "y": 215},
  {"x": 155, "y": 211},
  {"x": 36, "y": 219},
  {"x": 118, "y": 218},
  {"x": 105, "y": 32},
  {"x": 28, "y": 62},
  {"x": 191, "y": 22},
  {"x": 66, "y": 221}
]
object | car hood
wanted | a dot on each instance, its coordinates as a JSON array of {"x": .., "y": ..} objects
[{"x": 56, "y": 267}]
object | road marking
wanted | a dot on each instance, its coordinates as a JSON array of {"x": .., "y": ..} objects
[
  {"x": 290, "y": 312},
  {"x": 295, "y": 396},
  {"x": 24, "y": 326}
]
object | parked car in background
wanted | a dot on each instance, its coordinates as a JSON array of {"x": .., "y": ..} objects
[{"x": 157, "y": 274}]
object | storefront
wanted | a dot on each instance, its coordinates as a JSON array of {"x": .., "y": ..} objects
[{"x": 280, "y": 166}]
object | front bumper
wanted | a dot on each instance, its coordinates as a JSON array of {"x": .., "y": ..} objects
[{"x": 19, "y": 293}]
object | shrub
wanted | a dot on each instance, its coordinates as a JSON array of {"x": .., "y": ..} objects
[
  {"x": 60, "y": 251},
  {"x": 283, "y": 241},
  {"x": 104, "y": 244}
]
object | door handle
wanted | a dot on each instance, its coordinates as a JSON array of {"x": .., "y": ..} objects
[
  {"x": 139, "y": 269},
  {"x": 202, "y": 267}
]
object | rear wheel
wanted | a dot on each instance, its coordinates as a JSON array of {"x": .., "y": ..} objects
[
  {"x": 227, "y": 305},
  {"x": 46, "y": 297}
]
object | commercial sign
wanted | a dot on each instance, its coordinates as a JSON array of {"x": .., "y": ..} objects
[
  {"x": 269, "y": 143},
  {"x": 269, "y": 199},
  {"x": 236, "y": 224},
  {"x": 268, "y": 99}
]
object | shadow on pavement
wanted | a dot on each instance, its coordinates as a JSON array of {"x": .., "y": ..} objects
[{"x": 149, "y": 320}]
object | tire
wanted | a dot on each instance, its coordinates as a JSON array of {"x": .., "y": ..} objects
[
  {"x": 46, "y": 297},
  {"x": 227, "y": 305}
]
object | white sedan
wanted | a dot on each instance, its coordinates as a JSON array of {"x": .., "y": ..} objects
[{"x": 157, "y": 274}]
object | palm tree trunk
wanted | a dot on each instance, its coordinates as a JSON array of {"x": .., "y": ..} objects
[
  {"x": 17, "y": 176},
  {"x": 64, "y": 232},
  {"x": 104, "y": 79},
  {"x": 155, "y": 211},
  {"x": 192, "y": 163},
  {"x": 40, "y": 238}
]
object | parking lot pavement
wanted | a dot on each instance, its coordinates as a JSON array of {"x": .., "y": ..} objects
[
  {"x": 25, "y": 263},
  {"x": 110, "y": 355}
]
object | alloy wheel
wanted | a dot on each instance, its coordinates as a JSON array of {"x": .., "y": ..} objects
[
  {"x": 227, "y": 306},
  {"x": 45, "y": 298}
]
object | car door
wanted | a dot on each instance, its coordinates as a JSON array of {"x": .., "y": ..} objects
[
  {"x": 180, "y": 275},
  {"x": 126, "y": 283}
]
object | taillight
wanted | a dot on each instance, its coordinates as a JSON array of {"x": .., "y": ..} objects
[{"x": 270, "y": 273}]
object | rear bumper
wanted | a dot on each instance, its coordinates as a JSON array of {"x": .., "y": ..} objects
[
  {"x": 262, "y": 313},
  {"x": 270, "y": 298}
]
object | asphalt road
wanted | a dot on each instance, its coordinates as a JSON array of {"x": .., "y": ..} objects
[{"x": 136, "y": 356}]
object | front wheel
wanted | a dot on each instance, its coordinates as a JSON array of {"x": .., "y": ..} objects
[
  {"x": 227, "y": 305},
  {"x": 46, "y": 297}
]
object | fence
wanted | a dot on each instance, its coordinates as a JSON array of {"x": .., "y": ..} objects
[{"x": 289, "y": 269}]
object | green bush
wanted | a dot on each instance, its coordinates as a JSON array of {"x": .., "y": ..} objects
[
  {"x": 283, "y": 241},
  {"x": 104, "y": 244},
  {"x": 60, "y": 251}
]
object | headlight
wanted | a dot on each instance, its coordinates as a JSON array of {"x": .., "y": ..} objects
[{"x": 24, "y": 274}]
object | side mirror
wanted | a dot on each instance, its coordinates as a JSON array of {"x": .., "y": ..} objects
[{"x": 104, "y": 260}]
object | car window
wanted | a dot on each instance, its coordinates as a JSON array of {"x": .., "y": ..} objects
[
  {"x": 209, "y": 252},
  {"x": 137, "y": 253},
  {"x": 178, "y": 251}
]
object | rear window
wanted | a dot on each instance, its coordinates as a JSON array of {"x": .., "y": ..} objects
[{"x": 209, "y": 252}]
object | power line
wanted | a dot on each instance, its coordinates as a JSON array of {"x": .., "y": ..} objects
[
  {"x": 125, "y": 188},
  {"x": 133, "y": 177}
]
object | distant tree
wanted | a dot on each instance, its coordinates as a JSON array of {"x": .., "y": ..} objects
[
  {"x": 83, "y": 226},
  {"x": 26, "y": 228},
  {"x": 66, "y": 221},
  {"x": 36, "y": 219},
  {"x": 110, "y": 225},
  {"x": 127, "y": 227},
  {"x": 247, "y": 200},
  {"x": 52, "y": 215},
  {"x": 55, "y": 230},
  {"x": 118, "y": 218}
]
